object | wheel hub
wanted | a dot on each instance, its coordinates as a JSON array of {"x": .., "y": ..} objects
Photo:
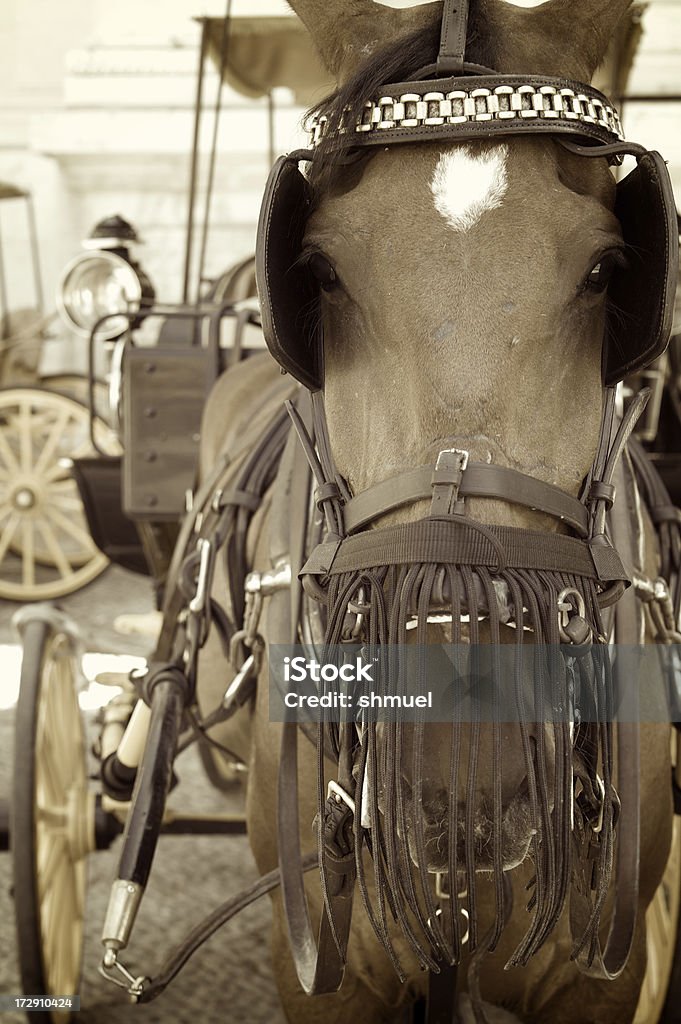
[{"x": 24, "y": 499}]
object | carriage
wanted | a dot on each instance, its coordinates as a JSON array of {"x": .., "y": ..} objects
[
  {"x": 130, "y": 475},
  {"x": 45, "y": 549},
  {"x": 57, "y": 820}
]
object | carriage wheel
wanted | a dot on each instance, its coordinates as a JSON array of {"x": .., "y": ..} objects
[
  {"x": 53, "y": 813},
  {"x": 75, "y": 385},
  {"x": 658, "y": 1001},
  {"x": 45, "y": 548}
]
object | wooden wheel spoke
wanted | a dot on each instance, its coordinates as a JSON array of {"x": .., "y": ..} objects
[
  {"x": 25, "y": 427},
  {"x": 66, "y": 484},
  {"x": 57, "y": 928},
  {"x": 52, "y": 772},
  {"x": 6, "y": 454},
  {"x": 72, "y": 529},
  {"x": 46, "y": 787},
  {"x": 8, "y": 534},
  {"x": 67, "y": 502},
  {"x": 59, "y": 729},
  {"x": 66, "y": 931},
  {"x": 57, "y": 474},
  {"x": 49, "y": 869},
  {"x": 52, "y": 764},
  {"x": 50, "y": 447},
  {"x": 55, "y": 550},
  {"x": 28, "y": 553},
  {"x": 53, "y": 817}
]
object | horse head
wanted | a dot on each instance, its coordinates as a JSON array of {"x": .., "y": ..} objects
[{"x": 461, "y": 293}]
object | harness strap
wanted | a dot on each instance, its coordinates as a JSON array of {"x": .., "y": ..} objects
[
  {"x": 320, "y": 967},
  {"x": 453, "y": 38},
  {"x": 440, "y": 1006},
  {"x": 461, "y": 541},
  {"x": 229, "y": 490},
  {"x": 477, "y": 480},
  {"x": 609, "y": 961},
  {"x": 615, "y": 452},
  {"x": 153, "y": 987},
  {"x": 299, "y": 499}
]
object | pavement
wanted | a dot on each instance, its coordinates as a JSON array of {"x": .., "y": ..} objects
[{"x": 230, "y": 978}]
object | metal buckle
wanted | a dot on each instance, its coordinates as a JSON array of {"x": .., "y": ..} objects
[
  {"x": 341, "y": 797},
  {"x": 446, "y": 481},
  {"x": 198, "y": 602},
  {"x": 570, "y": 602},
  {"x": 465, "y": 456},
  {"x": 596, "y": 827}
]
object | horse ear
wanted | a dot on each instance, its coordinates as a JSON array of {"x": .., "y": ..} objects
[
  {"x": 568, "y": 37},
  {"x": 346, "y": 32},
  {"x": 576, "y": 35}
]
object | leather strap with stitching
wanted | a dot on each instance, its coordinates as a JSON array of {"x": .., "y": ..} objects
[
  {"x": 320, "y": 966},
  {"x": 453, "y": 37},
  {"x": 609, "y": 961},
  {"x": 479, "y": 480},
  {"x": 455, "y": 539}
]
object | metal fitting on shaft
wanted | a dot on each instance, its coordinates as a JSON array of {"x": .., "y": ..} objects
[{"x": 121, "y": 912}]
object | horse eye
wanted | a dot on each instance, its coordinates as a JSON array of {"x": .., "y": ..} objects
[
  {"x": 602, "y": 273},
  {"x": 322, "y": 270}
]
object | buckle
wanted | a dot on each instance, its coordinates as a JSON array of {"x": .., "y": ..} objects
[
  {"x": 334, "y": 790},
  {"x": 450, "y": 467},
  {"x": 337, "y": 832},
  {"x": 592, "y": 813}
]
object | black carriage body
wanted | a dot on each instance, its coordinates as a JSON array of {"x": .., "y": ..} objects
[{"x": 134, "y": 503}]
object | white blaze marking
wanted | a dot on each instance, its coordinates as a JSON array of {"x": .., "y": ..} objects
[{"x": 466, "y": 185}]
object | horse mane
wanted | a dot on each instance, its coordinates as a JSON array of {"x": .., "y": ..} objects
[{"x": 399, "y": 61}]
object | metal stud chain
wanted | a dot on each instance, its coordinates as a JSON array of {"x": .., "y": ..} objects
[{"x": 504, "y": 103}]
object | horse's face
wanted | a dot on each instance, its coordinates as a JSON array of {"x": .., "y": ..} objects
[{"x": 468, "y": 311}]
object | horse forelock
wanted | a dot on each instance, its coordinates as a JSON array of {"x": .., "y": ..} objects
[{"x": 397, "y": 61}]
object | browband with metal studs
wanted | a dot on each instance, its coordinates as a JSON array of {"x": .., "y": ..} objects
[{"x": 482, "y": 106}]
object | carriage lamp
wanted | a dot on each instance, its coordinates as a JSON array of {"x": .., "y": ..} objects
[{"x": 105, "y": 280}]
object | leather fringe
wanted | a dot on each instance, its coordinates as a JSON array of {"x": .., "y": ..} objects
[{"x": 446, "y": 930}]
